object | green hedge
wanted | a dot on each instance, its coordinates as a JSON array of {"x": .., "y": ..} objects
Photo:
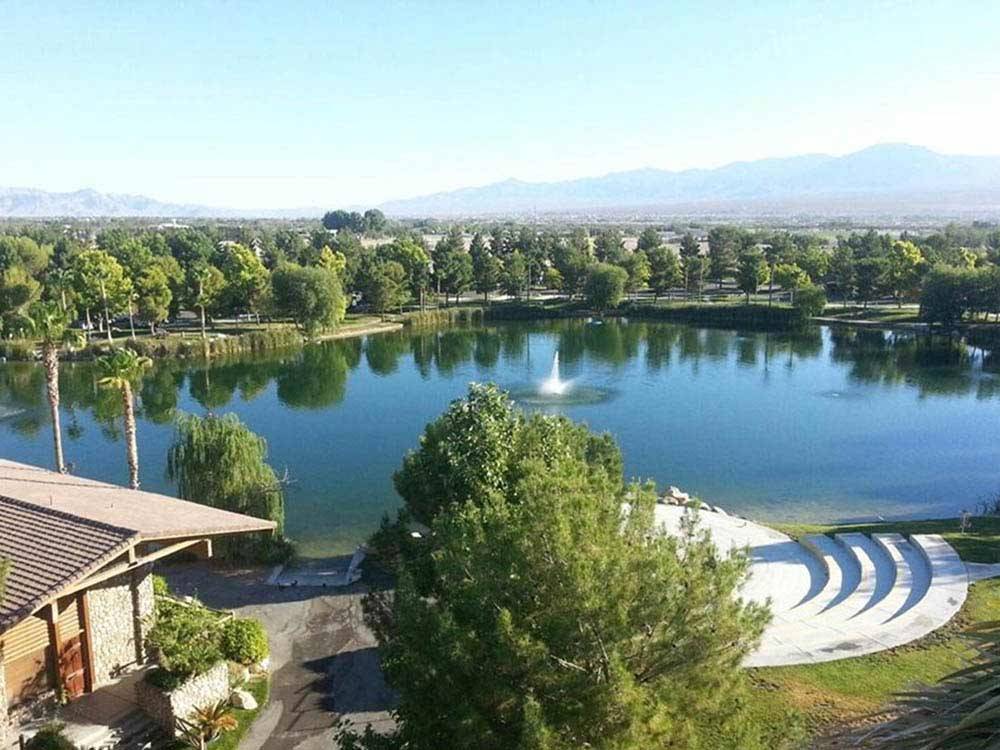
[
  {"x": 739, "y": 316},
  {"x": 244, "y": 641}
]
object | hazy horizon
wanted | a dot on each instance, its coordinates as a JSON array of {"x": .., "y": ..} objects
[{"x": 255, "y": 106}]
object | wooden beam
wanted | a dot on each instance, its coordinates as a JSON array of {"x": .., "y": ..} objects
[
  {"x": 89, "y": 676},
  {"x": 55, "y": 645},
  {"x": 117, "y": 570}
]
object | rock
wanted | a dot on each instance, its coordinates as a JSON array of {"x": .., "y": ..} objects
[
  {"x": 240, "y": 698},
  {"x": 262, "y": 667},
  {"x": 238, "y": 674}
]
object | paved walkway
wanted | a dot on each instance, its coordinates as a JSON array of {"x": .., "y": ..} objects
[{"x": 323, "y": 658}]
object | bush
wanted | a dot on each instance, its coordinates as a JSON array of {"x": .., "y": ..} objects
[
  {"x": 244, "y": 641},
  {"x": 810, "y": 301},
  {"x": 50, "y": 737},
  {"x": 160, "y": 586},
  {"x": 186, "y": 639}
]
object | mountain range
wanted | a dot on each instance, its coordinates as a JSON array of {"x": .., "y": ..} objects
[
  {"x": 890, "y": 176},
  {"x": 33, "y": 203},
  {"x": 888, "y": 179}
]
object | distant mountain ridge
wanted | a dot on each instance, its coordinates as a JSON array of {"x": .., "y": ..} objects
[
  {"x": 33, "y": 203},
  {"x": 884, "y": 172},
  {"x": 880, "y": 180}
]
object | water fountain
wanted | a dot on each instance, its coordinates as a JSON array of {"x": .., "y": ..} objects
[
  {"x": 555, "y": 392},
  {"x": 553, "y": 385}
]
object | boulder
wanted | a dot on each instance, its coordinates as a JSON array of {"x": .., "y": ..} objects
[
  {"x": 238, "y": 674},
  {"x": 240, "y": 698}
]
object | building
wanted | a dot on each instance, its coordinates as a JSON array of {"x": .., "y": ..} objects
[{"x": 79, "y": 593}]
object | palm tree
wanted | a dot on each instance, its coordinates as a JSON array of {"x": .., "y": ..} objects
[
  {"x": 51, "y": 324},
  {"x": 123, "y": 368}
]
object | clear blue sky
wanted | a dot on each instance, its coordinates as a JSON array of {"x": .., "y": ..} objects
[{"x": 281, "y": 104}]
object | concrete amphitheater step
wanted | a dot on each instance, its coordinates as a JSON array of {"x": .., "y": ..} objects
[
  {"x": 878, "y": 565},
  {"x": 913, "y": 574}
]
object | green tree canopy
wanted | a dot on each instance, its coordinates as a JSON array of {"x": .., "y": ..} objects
[
  {"x": 475, "y": 448},
  {"x": 664, "y": 270},
  {"x": 219, "y": 461},
  {"x": 605, "y": 286},
  {"x": 312, "y": 297},
  {"x": 546, "y": 616},
  {"x": 751, "y": 272}
]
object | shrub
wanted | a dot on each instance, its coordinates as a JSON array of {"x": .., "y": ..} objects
[
  {"x": 186, "y": 640},
  {"x": 810, "y": 301},
  {"x": 160, "y": 586},
  {"x": 244, "y": 641},
  {"x": 50, "y": 737}
]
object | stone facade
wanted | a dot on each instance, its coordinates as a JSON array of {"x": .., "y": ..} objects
[
  {"x": 121, "y": 612},
  {"x": 5, "y": 740},
  {"x": 198, "y": 692}
]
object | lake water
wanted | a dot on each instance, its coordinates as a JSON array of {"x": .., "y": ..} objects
[{"x": 826, "y": 425}]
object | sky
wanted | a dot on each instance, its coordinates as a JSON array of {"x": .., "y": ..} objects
[{"x": 293, "y": 104}]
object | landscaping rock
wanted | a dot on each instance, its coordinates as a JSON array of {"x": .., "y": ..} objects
[
  {"x": 238, "y": 674},
  {"x": 240, "y": 698}
]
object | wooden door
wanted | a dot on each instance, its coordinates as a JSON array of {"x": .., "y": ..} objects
[{"x": 72, "y": 667}]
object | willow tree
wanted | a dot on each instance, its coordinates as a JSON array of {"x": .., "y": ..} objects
[
  {"x": 122, "y": 369},
  {"x": 51, "y": 324},
  {"x": 219, "y": 461}
]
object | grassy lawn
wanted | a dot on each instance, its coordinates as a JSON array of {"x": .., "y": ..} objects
[
  {"x": 844, "y": 692},
  {"x": 906, "y": 314}
]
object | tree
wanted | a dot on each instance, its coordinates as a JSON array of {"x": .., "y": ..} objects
[
  {"x": 605, "y": 286},
  {"x": 722, "y": 243},
  {"x": 18, "y": 290},
  {"x": 902, "y": 270},
  {"x": 121, "y": 370},
  {"x": 487, "y": 270},
  {"x": 205, "y": 285},
  {"x": 552, "y": 279},
  {"x": 572, "y": 260},
  {"x": 515, "y": 274},
  {"x": 312, "y": 297},
  {"x": 649, "y": 239},
  {"x": 246, "y": 278},
  {"x": 751, "y": 272},
  {"x": 384, "y": 286},
  {"x": 51, "y": 324},
  {"x": 374, "y": 220},
  {"x": 509, "y": 600},
  {"x": 410, "y": 253},
  {"x": 101, "y": 283},
  {"x": 452, "y": 264},
  {"x": 689, "y": 249},
  {"x": 694, "y": 271},
  {"x": 869, "y": 276},
  {"x": 219, "y": 461},
  {"x": 842, "y": 271},
  {"x": 790, "y": 277},
  {"x": 636, "y": 265},
  {"x": 664, "y": 270},
  {"x": 154, "y": 296},
  {"x": 340, "y": 219},
  {"x": 810, "y": 301},
  {"x": 609, "y": 247},
  {"x": 779, "y": 248}
]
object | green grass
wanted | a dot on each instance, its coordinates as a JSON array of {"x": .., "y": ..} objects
[
  {"x": 259, "y": 689},
  {"x": 841, "y": 693},
  {"x": 981, "y": 543}
]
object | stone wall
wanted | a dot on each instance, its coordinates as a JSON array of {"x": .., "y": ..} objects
[
  {"x": 121, "y": 611},
  {"x": 198, "y": 692}
]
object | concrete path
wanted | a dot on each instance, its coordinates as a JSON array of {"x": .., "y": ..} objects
[
  {"x": 323, "y": 658},
  {"x": 841, "y": 596}
]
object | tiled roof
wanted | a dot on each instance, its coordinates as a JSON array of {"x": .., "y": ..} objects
[
  {"x": 148, "y": 514},
  {"x": 48, "y": 550},
  {"x": 56, "y": 529}
]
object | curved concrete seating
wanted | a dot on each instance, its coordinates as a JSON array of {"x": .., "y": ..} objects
[{"x": 843, "y": 596}]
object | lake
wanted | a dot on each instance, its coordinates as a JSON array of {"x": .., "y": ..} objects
[{"x": 824, "y": 425}]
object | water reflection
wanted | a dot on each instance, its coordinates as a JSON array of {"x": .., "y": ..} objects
[{"x": 317, "y": 376}]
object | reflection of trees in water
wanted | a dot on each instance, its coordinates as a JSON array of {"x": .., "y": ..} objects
[
  {"x": 934, "y": 365},
  {"x": 316, "y": 376}
]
